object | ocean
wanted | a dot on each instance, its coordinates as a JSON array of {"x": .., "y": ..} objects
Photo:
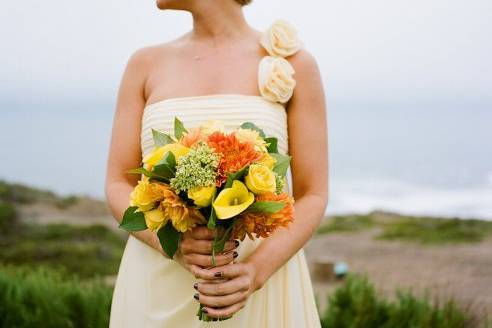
[{"x": 422, "y": 160}]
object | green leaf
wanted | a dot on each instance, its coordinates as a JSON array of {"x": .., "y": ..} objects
[
  {"x": 166, "y": 167},
  {"x": 169, "y": 239},
  {"x": 282, "y": 164},
  {"x": 133, "y": 221},
  {"x": 179, "y": 129},
  {"x": 219, "y": 244},
  {"x": 160, "y": 138},
  {"x": 235, "y": 176},
  {"x": 272, "y": 144},
  {"x": 141, "y": 170},
  {"x": 212, "y": 220},
  {"x": 252, "y": 126},
  {"x": 266, "y": 206}
]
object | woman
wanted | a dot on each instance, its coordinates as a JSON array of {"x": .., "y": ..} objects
[{"x": 221, "y": 70}]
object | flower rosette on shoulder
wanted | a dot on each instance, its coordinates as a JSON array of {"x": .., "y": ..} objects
[
  {"x": 205, "y": 176},
  {"x": 276, "y": 81}
]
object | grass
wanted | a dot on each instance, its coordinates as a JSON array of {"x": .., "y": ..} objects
[
  {"x": 424, "y": 230},
  {"x": 45, "y": 298},
  {"x": 351, "y": 223},
  {"x": 16, "y": 193},
  {"x": 85, "y": 250},
  {"x": 436, "y": 231},
  {"x": 356, "y": 304}
]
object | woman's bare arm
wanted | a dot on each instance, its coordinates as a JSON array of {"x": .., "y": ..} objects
[
  {"x": 309, "y": 150},
  {"x": 124, "y": 151}
]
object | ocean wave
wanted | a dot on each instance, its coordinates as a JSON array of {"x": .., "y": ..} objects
[{"x": 366, "y": 195}]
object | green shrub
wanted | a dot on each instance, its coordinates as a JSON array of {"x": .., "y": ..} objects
[
  {"x": 44, "y": 298},
  {"x": 436, "y": 230},
  {"x": 357, "y": 305},
  {"x": 85, "y": 250},
  {"x": 8, "y": 217},
  {"x": 350, "y": 223}
]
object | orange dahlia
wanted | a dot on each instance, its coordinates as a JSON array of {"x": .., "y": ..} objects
[
  {"x": 263, "y": 224},
  {"x": 192, "y": 137},
  {"x": 182, "y": 216},
  {"x": 234, "y": 154}
]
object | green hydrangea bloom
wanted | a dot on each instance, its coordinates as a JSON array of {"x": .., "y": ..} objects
[
  {"x": 198, "y": 168},
  {"x": 279, "y": 182}
]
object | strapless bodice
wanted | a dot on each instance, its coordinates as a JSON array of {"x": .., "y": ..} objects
[{"x": 232, "y": 110}]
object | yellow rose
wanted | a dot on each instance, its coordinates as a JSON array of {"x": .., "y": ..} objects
[
  {"x": 267, "y": 160},
  {"x": 275, "y": 79},
  {"x": 260, "y": 179},
  {"x": 281, "y": 40},
  {"x": 145, "y": 195},
  {"x": 252, "y": 136},
  {"x": 158, "y": 153},
  {"x": 155, "y": 219},
  {"x": 202, "y": 196},
  {"x": 232, "y": 201},
  {"x": 212, "y": 126}
]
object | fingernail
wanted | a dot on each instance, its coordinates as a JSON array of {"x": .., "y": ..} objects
[
  {"x": 218, "y": 274},
  {"x": 204, "y": 310},
  {"x": 195, "y": 285},
  {"x": 196, "y": 296},
  {"x": 235, "y": 254},
  {"x": 236, "y": 242}
]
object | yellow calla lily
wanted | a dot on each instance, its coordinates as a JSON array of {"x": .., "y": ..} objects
[
  {"x": 232, "y": 201},
  {"x": 157, "y": 154}
]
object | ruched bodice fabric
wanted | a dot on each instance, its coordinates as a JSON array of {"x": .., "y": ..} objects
[{"x": 152, "y": 291}]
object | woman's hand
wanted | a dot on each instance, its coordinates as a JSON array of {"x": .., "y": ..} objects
[
  {"x": 225, "y": 290},
  {"x": 195, "y": 250}
]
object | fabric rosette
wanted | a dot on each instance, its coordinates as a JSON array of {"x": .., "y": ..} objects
[
  {"x": 281, "y": 40},
  {"x": 275, "y": 79}
]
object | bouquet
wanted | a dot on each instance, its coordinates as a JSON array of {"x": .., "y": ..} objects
[{"x": 205, "y": 176}]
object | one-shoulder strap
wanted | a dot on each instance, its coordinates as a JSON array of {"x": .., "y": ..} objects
[{"x": 275, "y": 74}]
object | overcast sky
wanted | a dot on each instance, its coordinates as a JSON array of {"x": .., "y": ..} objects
[{"x": 370, "y": 52}]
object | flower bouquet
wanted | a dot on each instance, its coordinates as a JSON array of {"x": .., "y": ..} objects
[{"x": 205, "y": 176}]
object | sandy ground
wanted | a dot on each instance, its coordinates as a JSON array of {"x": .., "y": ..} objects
[{"x": 463, "y": 272}]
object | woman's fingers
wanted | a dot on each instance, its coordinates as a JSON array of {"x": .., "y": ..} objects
[
  {"x": 225, "y": 311},
  {"x": 222, "y": 301},
  {"x": 206, "y": 260},
  {"x": 190, "y": 246},
  {"x": 225, "y": 287},
  {"x": 202, "y": 232},
  {"x": 226, "y": 271}
]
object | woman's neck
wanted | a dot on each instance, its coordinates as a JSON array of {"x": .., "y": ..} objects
[{"x": 218, "y": 20}]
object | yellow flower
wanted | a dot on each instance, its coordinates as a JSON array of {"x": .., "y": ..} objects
[
  {"x": 212, "y": 126},
  {"x": 158, "y": 153},
  {"x": 260, "y": 179},
  {"x": 145, "y": 195},
  {"x": 267, "y": 160},
  {"x": 281, "y": 40},
  {"x": 275, "y": 79},
  {"x": 155, "y": 219},
  {"x": 202, "y": 196},
  {"x": 252, "y": 136},
  {"x": 232, "y": 201}
]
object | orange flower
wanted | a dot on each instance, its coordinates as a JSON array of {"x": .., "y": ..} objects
[
  {"x": 263, "y": 224},
  {"x": 182, "y": 216},
  {"x": 192, "y": 137},
  {"x": 234, "y": 154}
]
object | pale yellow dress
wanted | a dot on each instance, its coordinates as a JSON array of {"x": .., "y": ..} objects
[{"x": 152, "y": 291}]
